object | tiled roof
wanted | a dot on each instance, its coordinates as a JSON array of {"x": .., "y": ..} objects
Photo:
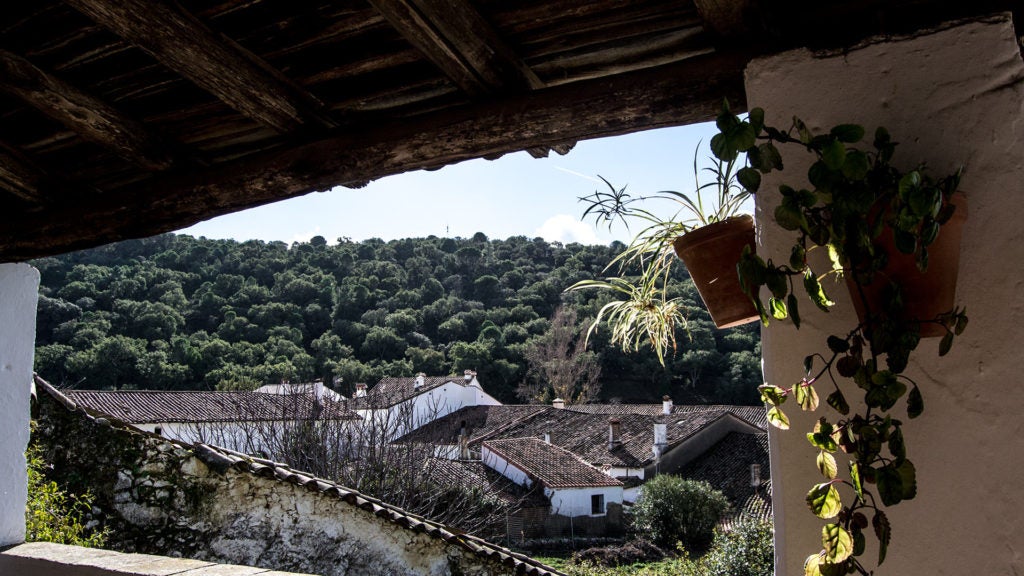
[
  {"x": 474, "y": 475},
  {"x": 222, "y": 459},
  {"x": 550, "y": 465},
  {"x": 154, "y": 406},
  {"x": 726, "y": 465},
  {"x": 756, "y": 415},
  {"x": 390, "y": 391},
  {"x": 479, "y": 421},
  {"x": 584, "y": 434}
]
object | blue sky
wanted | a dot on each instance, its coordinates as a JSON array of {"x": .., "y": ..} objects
[{"x": 514, "y": 195}]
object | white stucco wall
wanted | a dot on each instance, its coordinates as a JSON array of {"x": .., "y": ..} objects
[
  {"x": 19, "y": 293},
  {"x": 948, "y": 97},
  {"x": 576, "y": 501},
  {"x": 504, "y": 467}
]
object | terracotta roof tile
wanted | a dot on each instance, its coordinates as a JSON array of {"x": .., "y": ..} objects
[
  {"x": 550, "y": 465},
  {"x": 153, "y": 406}
]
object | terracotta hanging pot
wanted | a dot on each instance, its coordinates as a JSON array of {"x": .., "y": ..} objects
[
  {"x": 710, "y": 254},
  {"x": 925, "y": 294}
]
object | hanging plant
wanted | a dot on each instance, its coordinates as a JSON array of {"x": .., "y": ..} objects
[{"x": 868, "y": 217}]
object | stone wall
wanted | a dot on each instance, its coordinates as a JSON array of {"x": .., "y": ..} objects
[{"x": 166, "y": 498}]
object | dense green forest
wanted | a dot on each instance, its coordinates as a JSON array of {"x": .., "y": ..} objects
[{"x": 176, "y": 312}]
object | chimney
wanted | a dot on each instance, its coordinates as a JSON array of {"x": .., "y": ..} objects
[
  {"x": 755, "y": 476},
  {"x": 558, "y": 403},
  {"x": 660, "y": 438},
  {"x": 614, "y": 433},
  {"x": 547, "y": 437},
  {"x": 318, "y": 389},
  {"x": 470, "y": 377},
  {"x": 360, "y": 390},
  {"x": 418, "y": 382},
  {"x": 463, "y": 446},
  {"x": 666, "y": 405}
]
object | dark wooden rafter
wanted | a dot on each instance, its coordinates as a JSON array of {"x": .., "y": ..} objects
[
  {"x": 463, "y": 45},
  {"x": 726, "y": 18},
  {"x": 670, "y": 95},
  {"x": 20, "y": 176},
  {"x": 216, "y": 64},
  {"x": 88, "y": 116}
]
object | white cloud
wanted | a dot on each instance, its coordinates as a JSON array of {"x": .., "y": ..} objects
[
  {"x": 306, "y": 236},
  {"x": 565, "y": 229}
]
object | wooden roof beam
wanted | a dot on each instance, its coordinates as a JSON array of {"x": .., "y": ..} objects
[
  {"x": 216, "y": 64},
  {"x": 90, "y": 117},
  {"x": 463, "y": 45},
  {"x": 20, "y": 176},
  {"x": 671, "y": 95}
]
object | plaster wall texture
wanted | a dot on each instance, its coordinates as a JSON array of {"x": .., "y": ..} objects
[
  {"x": 504, "y": 467},
  {"x": 949, "y": 97},
  {"x": 576, "y": 501},
  {"x": 19, "y": 293}
]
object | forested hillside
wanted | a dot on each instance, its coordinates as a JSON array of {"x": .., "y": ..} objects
[{"x": 175, "y": 312}]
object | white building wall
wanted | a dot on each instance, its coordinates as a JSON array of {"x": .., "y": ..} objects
[
  {"x": 19, "y": 293},
  {"x": 577, "y": 501},
  {"x": 504, "y": 467},
  {"x": 949, "y": 97}
]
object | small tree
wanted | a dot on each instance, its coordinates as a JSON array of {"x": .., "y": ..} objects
[
  {"x": 671, "y": 509},
  {"x": 746, "y": 550},
  {"x": 560, "y": 366}
]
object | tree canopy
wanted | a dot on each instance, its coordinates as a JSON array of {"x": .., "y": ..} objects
[{"x": 177, "y": 312}]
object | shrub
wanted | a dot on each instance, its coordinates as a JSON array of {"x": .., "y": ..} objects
[
  {"x": 747, "y": 550},
  {"x": 628, "y": 553},
  {"x": 671, "y": 509},
  {"x": 53, "y": 515}
]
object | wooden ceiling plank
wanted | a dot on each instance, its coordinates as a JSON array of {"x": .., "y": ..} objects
[
  {"x": 177, "y": 39},
  {"x": 90, "y": 117},
  {"x": 671, "y": 95},
  {"x": 20, "y": 176},
  {"x": 461, "y": 43}
]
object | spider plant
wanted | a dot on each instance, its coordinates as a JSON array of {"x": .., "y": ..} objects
[{"x": 643, "y": 312}]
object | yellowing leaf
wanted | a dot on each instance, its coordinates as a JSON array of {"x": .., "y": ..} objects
[
  {"x": 824, "y": 500},
  {"x": 778, "y": 418},
  {"x": 827, "y": 465},
  {"x": 838, "y": 543}
]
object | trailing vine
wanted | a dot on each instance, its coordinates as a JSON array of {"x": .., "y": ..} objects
[{"x": 864, "y": 213}]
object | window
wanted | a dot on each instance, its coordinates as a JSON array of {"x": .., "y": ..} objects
[{"x": 597, "y": 504}]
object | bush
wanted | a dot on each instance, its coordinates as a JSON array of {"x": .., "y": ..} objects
[
  {"x": 672, "y": 510},
  {"x": 747, "y": 550},
  {"x": 51, "y": 514},
  {"x": 631, "y": 552}
]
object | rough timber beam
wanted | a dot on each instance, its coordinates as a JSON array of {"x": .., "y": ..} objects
[
  {"x": 88, "y": 116},
  {"x": 19, "y": 176},
  {"x": 464, "y": 46},
  {"x": 181, "y": 42},
  {"x": 671, "y": 95}
]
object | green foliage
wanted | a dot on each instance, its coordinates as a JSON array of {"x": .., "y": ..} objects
[
  {"x": 175, "y": 312},
  {"x": 858, "y": 203},
  {"x": 671, "y": 509},
  {"x": 746, "y": 550},
  {"x": 53, "y": 515}
]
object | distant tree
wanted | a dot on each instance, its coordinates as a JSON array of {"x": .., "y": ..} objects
[{"x": 560, "y": 366}]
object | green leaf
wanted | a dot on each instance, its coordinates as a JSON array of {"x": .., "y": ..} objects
[
  {"x": 756, "y": 118},
  {"x": 961, "y": 323},
  {"x": 946, "y": 344},
  {"x": 849, "y": 133},
  {"x": 778, "y": 418},
  {"x": 772, "y": 394},
  {"x": 922, "y": 201},
  {"x": 915, "y": 403},
  {"x": 778, "y": 308},
  {"x": 797, "y": 257},
  {"x": 896, "y": 445},
  {"x": 856, "y": 165},
  {"x": 837, "y": 401},
  {"x": 806, "y": 397},
  {"x": 742, "y": 136},
  {"x": 789, "y": 217},
  {"x": 768, "y": 158},
  {"x": 749, "y": 178},
  {"x": 838, "y": 543},
  {"x": 847, "y": 366},
  {"x": 908, "y": 479},
  {"x": 884, "y": 533},
  {"x": 824, "y": 501},
  {"x": 777, "y": 284},
  {"x": 827, "y": 465},
  {"x": 821, "y": 437},
  {"x": 908, "y": 183},
  {"x": 721, "y": 149},
  {"x": 812, "y": 565},
  {"x": 890, "y": 485},
  {"x": 833, "y": 155},
  {"x": 855, "y": 479},
  {"x": 808, "y": 363},
  {"x": 816, "y": 292}
]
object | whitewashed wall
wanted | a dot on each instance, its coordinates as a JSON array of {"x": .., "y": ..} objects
[
  {"x": 504, "y": 467},
  {"x": 949, "y": 97},
  {"x": 576, "y": 501},
  {"x": 19, "y": 293}
]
